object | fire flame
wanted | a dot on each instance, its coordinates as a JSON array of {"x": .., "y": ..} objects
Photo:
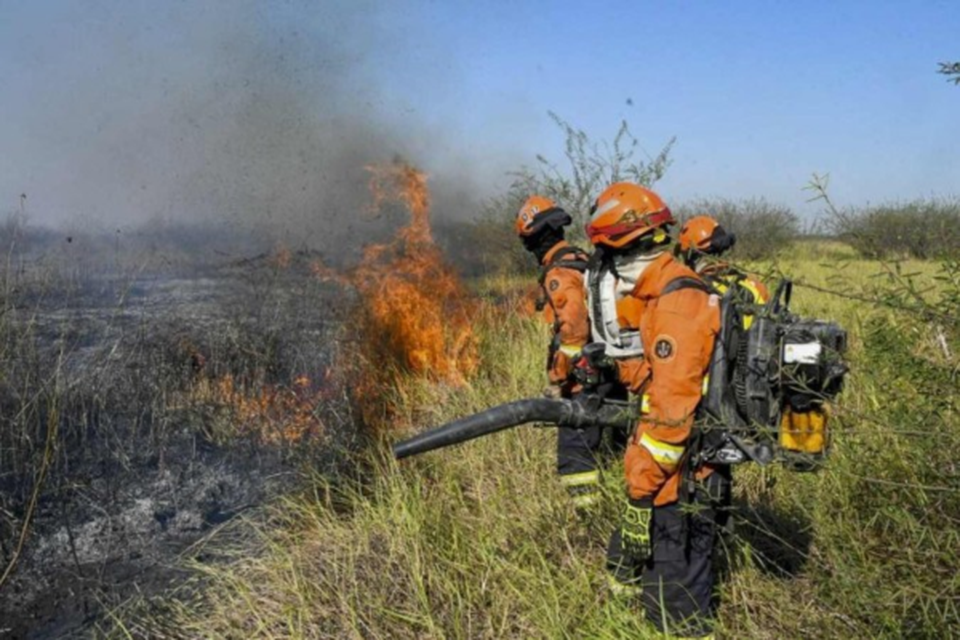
[
  {"x": 413, "y": 314},
  {"x": 413, "y": 308},
  {"x": 281, "y": 256},
  {"x": 271, "y": 413}
]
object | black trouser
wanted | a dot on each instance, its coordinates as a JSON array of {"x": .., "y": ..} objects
[
  {"x": 677, "y": 582},
  {"x": 577, "y": 451},
  {"x": 578, "y": 457}
]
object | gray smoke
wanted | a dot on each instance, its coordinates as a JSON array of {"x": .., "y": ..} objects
[{"x": 251, "y": 115}]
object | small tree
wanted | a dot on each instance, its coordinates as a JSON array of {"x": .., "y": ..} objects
[
  {"x": 490, "y": 242},
  {"x": 589, "y": 167}
]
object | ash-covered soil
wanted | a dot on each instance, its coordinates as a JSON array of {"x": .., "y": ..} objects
[
  {"x": 119, "y": 532},
  {"x": 143, "y": 470}
]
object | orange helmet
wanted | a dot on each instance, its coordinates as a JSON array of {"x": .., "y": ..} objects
[
  {"x": 538, "y": 212},
  {"x": 625, "y": 212},
  {"x": 696, "y": 232},
  {"x": 705, "y": 235}
]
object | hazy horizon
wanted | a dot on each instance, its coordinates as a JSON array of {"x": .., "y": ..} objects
[{"x": 263, "y": 114}]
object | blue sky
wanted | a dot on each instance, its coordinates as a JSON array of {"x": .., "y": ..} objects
[{"x": 758, "y": 94}]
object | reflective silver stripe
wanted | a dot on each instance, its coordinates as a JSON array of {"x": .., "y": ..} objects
[
  {"x": 662, "y": 452},
  {"x": 607, "y": 206},
  {"x": 570, "y": 349}
]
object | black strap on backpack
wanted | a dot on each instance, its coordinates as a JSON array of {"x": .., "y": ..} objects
[
  {"x": 695, "y": 442},
  {"x": 686, "y": 282},
  {"x": 565, "y": 258}
]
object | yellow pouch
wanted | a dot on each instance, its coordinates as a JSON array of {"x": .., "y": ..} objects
[{"x": 804, "y": 432}]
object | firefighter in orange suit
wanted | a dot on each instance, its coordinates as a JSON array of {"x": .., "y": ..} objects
[
  {"x": 701, "y": 242},
  {"x": 658, "y": 321},
  {"x": 540, "y": 224}
]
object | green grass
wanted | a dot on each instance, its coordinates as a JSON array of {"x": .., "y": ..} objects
[{"x": 480, "y": 541}]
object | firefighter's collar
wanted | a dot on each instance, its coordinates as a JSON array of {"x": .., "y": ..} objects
[
  {"x": 548, "y": 256},
  {"x": 630, "y": 265}
]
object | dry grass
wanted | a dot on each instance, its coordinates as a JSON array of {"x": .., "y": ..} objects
[{"x": 479, "y": 540}]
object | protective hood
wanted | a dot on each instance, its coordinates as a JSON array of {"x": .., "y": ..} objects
[{"x": 611, "y": 280}]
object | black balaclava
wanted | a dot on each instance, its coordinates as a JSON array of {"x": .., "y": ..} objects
[
  {"x": 540, "y": 243},
  {"x": 720, "y": 242}
]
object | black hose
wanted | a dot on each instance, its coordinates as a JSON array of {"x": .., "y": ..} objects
[{"x": 564, "y": 413}]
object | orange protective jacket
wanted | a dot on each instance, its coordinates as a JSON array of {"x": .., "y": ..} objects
[
  {"x": 678, "y": 331},
  {"x": 565, "y": 307}
]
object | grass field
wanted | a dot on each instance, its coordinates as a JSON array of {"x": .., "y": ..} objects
[{"x": 480, "y": 541}]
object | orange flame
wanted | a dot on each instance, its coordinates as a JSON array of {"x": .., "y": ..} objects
[
  {"x": 281, "y": 256},
  {"x": 413, "y": 308},
  {"x": 272, "y": 414}
]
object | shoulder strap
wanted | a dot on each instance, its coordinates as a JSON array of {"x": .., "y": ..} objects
[
  {"x": 566, "y": 258},
  {"x": 686, "y": 282},
  {"x": 571, "y": 258}
]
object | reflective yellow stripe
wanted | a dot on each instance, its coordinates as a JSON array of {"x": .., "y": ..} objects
[
  {"x": 580, "y": 479},
  {"x": 758, "y": 298},
  {"x": 621, "y": 589},
  {"x": 645, "y": 403},
  {"x": 662, "y": 452},
  {"x": 584, "y": 499},
  {"x": 570, "y": 349},
  {"x": 706, "y": 385}
]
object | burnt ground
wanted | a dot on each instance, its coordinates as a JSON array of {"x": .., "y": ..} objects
[
  {"x": 120, "y": 532},
  {"x": 138, "y": 475}
]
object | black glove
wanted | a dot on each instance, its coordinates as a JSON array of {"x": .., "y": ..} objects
[
  {"x": 594, "y": 366},
  {"x": 635, "y": 529},
  {"x": 585, "y": 373}
]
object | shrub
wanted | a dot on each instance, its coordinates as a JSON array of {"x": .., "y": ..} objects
[
  {"x": 923, "y": 228},
  {"x": 762, "y": 228}
]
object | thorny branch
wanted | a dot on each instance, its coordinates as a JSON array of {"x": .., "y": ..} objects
[{"x": 951, "y": 70}]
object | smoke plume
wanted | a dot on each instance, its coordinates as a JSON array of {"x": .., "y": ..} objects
[{"x": 252, "y": 116}]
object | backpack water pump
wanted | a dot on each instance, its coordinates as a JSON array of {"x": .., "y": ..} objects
[{"x": 769, "y": 384}]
